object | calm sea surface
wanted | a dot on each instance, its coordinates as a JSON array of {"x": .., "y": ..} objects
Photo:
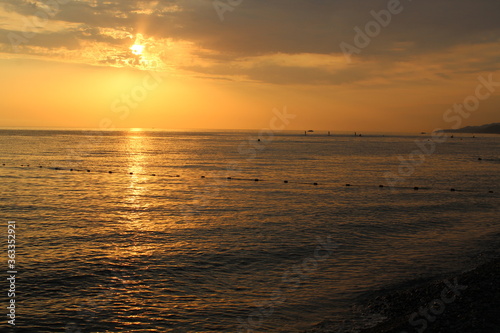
[{"x": 177, "y": 247}]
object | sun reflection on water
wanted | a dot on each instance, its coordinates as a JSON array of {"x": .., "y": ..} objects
[{"x": 136, "y": 189}]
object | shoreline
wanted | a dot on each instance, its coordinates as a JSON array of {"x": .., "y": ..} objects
[{"x": 456, "y": 302}]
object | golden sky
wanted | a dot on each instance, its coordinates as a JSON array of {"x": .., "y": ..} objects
[{"x": 337, "y": 65}]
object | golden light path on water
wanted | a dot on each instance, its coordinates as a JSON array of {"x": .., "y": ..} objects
[{"x": 136, "y": 189}]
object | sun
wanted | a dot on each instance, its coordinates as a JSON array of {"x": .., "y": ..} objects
[
  {"x": 137, "y": 49},
  {"x": 145, "y": 53}
]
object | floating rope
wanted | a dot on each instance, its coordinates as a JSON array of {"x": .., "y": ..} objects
[{"x": 381, "y": 186}]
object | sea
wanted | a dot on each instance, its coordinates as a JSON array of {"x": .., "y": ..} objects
[{"x": 234, "y": 231}]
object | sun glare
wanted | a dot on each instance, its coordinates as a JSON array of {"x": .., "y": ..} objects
[{"x": 137, "y": 49}]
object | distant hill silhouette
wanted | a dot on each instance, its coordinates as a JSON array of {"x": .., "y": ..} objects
[{"x": 493, "y": 128}]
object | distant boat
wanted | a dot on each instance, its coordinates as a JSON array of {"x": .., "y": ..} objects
[
  {"x": 423, "y": 132},
  {"x": 310, "y": 131}
]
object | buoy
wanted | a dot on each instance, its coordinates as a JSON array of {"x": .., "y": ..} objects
[
  {"x": 153, "y": 175},
  {"x": 70, "y": 169},
  {"x": 479, "y": 159},
  {"x": 202, "y": 176},
  {"x": 381, "y": 186},
  {"x": 315, "y": 183},
  {"x": 452, "y": 189},
  {"x": 286, "y": 181},
  {"x": 40, "y": 167},
  {"x": 131, "y": 173},
  {"x": 229, "y": 178},
  {"x": 490, "y": 191},
  {"x": 177, "y": 176},
  {"x": 88, "y": 170},
  {"x": 110, "y": 171},
  {"x": 256, "y": 179},
  {"x": 416, "y": 188},
  {"x": 347, "y": 184}
]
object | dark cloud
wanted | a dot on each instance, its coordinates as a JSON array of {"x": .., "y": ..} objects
[
  {"x": 258, "y": 27},
  {"x": 285, "y": 75},
  {"x": 15, "y": 40}
]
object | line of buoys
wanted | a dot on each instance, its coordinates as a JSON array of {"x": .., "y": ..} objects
[
  {"x": 416, "y": 188},
  {"x": 88, "y": 170}
]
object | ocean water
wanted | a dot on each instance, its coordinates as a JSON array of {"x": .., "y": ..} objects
[{"x": 166, "y": 243}]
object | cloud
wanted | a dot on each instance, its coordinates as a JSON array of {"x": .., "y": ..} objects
[{"x": 188, "y": 35}]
